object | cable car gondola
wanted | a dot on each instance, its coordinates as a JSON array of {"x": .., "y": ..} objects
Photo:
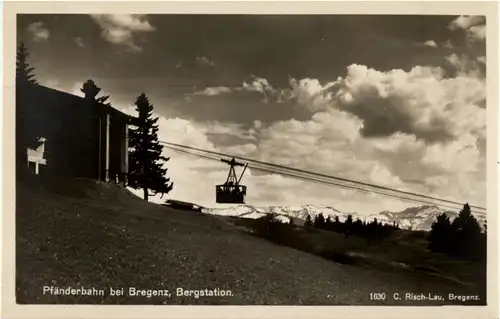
[{"x": 231, "y": 192}]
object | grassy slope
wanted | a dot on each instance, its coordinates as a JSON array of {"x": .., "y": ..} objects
[
  {"x": 403, "y": 250},
  {"x": 84, "y": 233}
]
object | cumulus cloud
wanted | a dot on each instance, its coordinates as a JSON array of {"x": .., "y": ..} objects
[
  {"x": 474, "y": 26},
  {"x": 38, "y": 32},
  {"x": 464, "y": 65},
  {"x": 465, "y": 22},
  {"x": 418, "y": 123},
  {"x": 311, "y": 93},
  {"x": 261, "y": 86},
  {"x": 122, "y": 29},
  {"x": 420, "y": 102},
  {"x": 258, "y": 85},
  {"x": 204, "y": 61}
]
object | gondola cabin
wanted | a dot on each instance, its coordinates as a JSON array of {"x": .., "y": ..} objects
[{"x": 231, "y": 192}]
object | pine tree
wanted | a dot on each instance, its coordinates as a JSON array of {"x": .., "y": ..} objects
[
  {"x": 357, "y": 227},
  {"x": 24, "y": 73},
  {"x": 466, "y": 223},
  {"x": 146, "y": 162},
  {"x": 466, "y": 234},
  {"x": 337, "y": 225},
  {"x": 308, "y": 221},
  {"x": 348, "y": 226},
  {"x": 319, "y": 221},
  {"x": 440, "y": 235},
  {"x": 26, "y": 135},
  {"x": 328, "y": 223}
]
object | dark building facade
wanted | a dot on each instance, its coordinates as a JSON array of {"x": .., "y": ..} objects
[{"x": 83, "y": 138}]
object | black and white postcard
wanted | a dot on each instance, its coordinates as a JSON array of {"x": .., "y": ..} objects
[{"x": 159, "y": 157}]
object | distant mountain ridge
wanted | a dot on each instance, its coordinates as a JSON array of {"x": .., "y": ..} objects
[{"x": 416, "y": 218}]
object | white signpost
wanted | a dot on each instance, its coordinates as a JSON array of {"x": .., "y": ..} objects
[{"x": 36, "y": 155}]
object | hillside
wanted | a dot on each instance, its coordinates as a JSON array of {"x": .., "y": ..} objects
[
  {"x": 418, "y": 218},
  {"x": 83, "y": 233}
]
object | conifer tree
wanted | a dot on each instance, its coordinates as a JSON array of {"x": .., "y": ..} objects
[
  {"x": 319, "y": 221},
  {"x": 466, "y": 234},
  {"x": 357, "y": 227},
  {"x": 462, "y": 238},
  {"x": 328, "y": 223},
  {"x": 146, "y": 162},
  {"x": 466, "y": 223},
  {"x": 24, "y": 72},
  {"x": 348, "y": 225},
  {"x": 26, "y": 136},
  {"x": 440, "y": 235},
  {"x": 308, "y": 221},
  {"x": 337, "y": 225}
]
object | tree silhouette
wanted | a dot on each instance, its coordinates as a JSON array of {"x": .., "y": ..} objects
[
  {"x": 357, "y": 227},
  {"x": 466, "y": 223},
  {"x": 26, "y": 132},
  {"x": 146, "y": 162},
  {"x": 308, "y": 221},
  {"x": 24, "y": 73},
  {"x": 348, "y": 226},
  {"x": 328, "y": 223},
  {"x": 369, "y": 231},
  {"x": 461, "y": 238},
  {"x": 466, "y": 234},
  {"x": 440, "y": 235},
  {"x": 336, "y": 224},
  {"x": 319, "y": 221}
]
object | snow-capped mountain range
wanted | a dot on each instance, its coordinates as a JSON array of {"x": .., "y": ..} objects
[{"x": 416, "y": 218}]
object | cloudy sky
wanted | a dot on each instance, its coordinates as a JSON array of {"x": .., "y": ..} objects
[{"x": 397, "y": 101}]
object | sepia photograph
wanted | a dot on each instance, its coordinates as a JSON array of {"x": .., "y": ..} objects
[{"x": 251, "y": 159}]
